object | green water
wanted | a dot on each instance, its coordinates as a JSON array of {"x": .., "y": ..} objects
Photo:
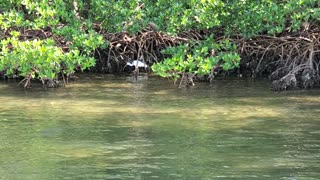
[{"x": 107, "y": 127}]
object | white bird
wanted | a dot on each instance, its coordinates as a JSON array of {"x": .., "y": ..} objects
[
  {"x": 137, "y": 63},
  {"x": 134, "y": 66}
]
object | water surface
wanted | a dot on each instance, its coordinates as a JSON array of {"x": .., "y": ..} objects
[{"x": 119, "y": 127}]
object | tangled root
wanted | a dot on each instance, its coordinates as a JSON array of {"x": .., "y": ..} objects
[{"x": 290, "y": 60}]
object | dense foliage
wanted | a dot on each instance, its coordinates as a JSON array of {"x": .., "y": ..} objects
[
  {"x": 200, "y": 58},
  {"x": 71, "y": 31},
  {"x": 67, "y": 46}
]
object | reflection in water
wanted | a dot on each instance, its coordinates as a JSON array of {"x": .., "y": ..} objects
[{"x": 107, "y": 127}]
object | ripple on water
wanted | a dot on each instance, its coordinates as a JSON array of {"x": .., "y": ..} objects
[{"x": 121, "y": 128}]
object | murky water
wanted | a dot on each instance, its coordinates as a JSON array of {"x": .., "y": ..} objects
[{"x": 107, "y": 127}]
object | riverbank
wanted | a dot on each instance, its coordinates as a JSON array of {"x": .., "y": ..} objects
[{"x": 49, "y": 41}]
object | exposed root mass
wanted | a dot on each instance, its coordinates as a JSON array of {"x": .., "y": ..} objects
[{"x": 290, "y": 60}]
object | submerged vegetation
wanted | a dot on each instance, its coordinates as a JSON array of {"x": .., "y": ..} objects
[{"x": 186, "y": 40}]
